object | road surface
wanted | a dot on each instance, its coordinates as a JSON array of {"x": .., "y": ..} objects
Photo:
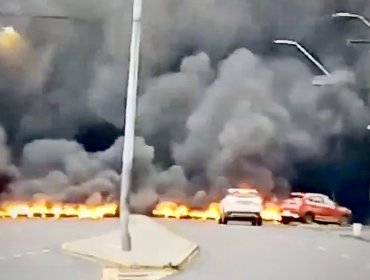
[
  {"x": 272, "y": 252},
  {"x": 30, "y": 249}
]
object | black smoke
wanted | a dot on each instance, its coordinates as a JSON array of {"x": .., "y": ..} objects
[{"x": 219, "y": 103}]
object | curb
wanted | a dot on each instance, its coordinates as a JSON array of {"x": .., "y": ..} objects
[
  {"x": 188, "y": 259},
  {"x": 176, "y": 251},
  {"x": 189, "y": 256},
  {"x": 111, "y": 273}
]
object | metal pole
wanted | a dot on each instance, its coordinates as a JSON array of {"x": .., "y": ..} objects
[
  {"x": 358, "y": 42},
  {"x": 352, "y": 16},
  {"x": 305, "y": 52},
  {"x": 129, "y": 137},
  {"x": 310, "y": 57}
]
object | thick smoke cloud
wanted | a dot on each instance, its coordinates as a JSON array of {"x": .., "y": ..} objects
[
  {"x": 71, "y": 173},
  {"x": 244, "y": 124},
  {"x": 219, "y": 104}
]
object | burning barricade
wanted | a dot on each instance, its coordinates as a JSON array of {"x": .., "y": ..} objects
[
  {"x": 271, "y": 212},
  {"x": 46, "y": 209},
  {"x": 168, "y": 209}
]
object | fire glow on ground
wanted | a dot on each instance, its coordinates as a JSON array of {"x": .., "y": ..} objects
[
  {"x": 169, "y": 209},
  {"x": 165, "y": 209},
  {"x": 44, "y": 209}
]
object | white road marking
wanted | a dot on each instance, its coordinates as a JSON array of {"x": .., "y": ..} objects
[
  {"x": 323, "y": 249},
  {"x": 2, "y": 258},
  {"x": 344, "y": 256},
  {"x": 17, "y": 255},
  {"x": 45, "y": 250},
  {"x": 30, "y": 253},
  {"x": 116, "y": 274}
]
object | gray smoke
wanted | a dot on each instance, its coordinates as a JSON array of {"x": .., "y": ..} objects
[
  {"x": 170, "y": 98},
  {"x": 250, "y": 128},
  {"x": 218, "y": 105},
  {"x": 72, "y": 172}
]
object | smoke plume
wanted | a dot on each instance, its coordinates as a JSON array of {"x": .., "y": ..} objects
[{"x": 219, "y": 103}]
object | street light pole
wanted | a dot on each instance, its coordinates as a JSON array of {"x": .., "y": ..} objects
[
  {"x": 129, "y": 136},
  {"x": 321, "y": 80},
  {"x": 352, "y": 16},
  {"x": 306, "y": 53},
  {"x": 358, "y": 42}
]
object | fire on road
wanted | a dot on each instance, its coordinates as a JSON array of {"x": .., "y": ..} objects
[
  {"x": 44, "y": 209},
  {"x": 166, "y": 209},
  {"x": 169, "y": 209}
]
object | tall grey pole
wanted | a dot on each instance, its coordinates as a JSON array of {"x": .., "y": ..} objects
[
  {"x": 352, "y": 16},
  {"x": 306, "y": 53},
  {"x": 129, "y": 137},
  {"x": 358, "y": 42}
]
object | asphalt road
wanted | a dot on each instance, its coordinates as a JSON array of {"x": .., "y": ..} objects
[
  {"x": 30, "y": 249},
  {"x": 272, "y": 252}
]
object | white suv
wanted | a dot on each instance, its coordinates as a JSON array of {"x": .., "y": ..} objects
[{"x": 241, "y": 204}]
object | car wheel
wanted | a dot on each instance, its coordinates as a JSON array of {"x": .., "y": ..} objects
[
  {"x": 344, "y": 221},
  {"x": 309, "y": 218},
  {"x": 219, "y": 220},
  {"x": 259, "y": 222},
  {"x": 222, "y": 220},
  {"x": 285, "y": 221}
]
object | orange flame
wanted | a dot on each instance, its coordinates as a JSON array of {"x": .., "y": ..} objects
[
  {"x": 13, "y": 46},
  {"x": 271, "y": 212},
  {"x": 43, "y": 209},
  {"x": 168, "y": 209}
]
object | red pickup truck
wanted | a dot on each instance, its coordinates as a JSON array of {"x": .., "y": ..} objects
[{"x": 312, "y": 207}]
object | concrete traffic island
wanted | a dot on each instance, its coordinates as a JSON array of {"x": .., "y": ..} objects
[{"x": 154, "y": 247}]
